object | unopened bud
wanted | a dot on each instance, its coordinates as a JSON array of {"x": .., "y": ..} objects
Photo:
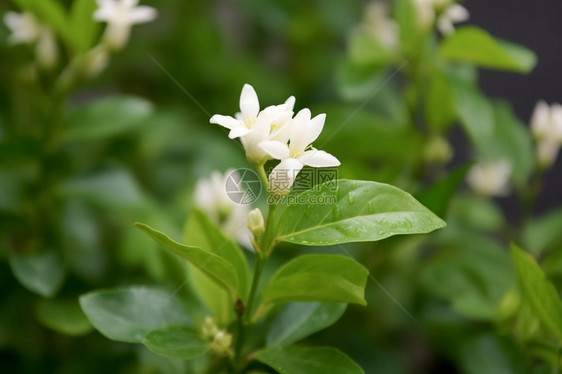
[
  {"x": 256, "y": 223},
  {"x": 438, "y": 150},
  {"x": 222, "y": 342},
  {"x": 209, "y": 328}
]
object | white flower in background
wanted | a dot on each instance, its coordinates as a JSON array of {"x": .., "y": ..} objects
[
  {"x": 453, "y": 14},
  {"x": 490, "y": 178},
  {"x": 379, "y": 24},
  {"x": 294, "y": 156},
  {"x": 211, "y": 197},
  {"x": 120, "y": 16},
  {"x": 254, "y": 127},
  {"x": 27, "y": 29},
  {"x": 546, "y": 126},
  {"x": 449, "y": 13}
]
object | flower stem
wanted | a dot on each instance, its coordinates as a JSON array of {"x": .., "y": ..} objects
[{"x": 258, "y": 269}]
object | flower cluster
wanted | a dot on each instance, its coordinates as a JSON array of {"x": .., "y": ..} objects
[
  {"x": 274, "y": 133},
  {"x": 211, "y": 197},
  {"x": 546, "y": 126},
  {"x": 26, "y": 29},
  {"x": 119, "y": 15},
  {"x": 380, "y": 26},
  {"x": 447, "y": 13}
]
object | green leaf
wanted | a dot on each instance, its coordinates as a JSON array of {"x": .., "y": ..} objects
[
  {"x": 544, "y": 232},
  {"x": 472, "y": 272},
  {"x": 115, "y": 188},
  {"x": 308, "y": 360},
  {"x": 405, "y": 15},
  {"x": 176, "y": 342},
  {"x": 84, "y": 28},
  {"x": 538, "y": 291},
  {"x": 439, "y": 107},
  {"x": 128, "y": 314},
  {"x": 296, "y": 321},
  {"x": 512, "y": 141},
  {"x": 352, "y": 211},
  {"x": 217, "y": 268},
  {"x": 364, "y": 49},
  {"x": 476, "y": 113},
  {"x": 201, "y": 232},
  {"x": 438, "y": 196},
  {"x": 106, "y": 117},
  {"x": 474, "y": 45},
  {"x": 42, "y": 273},
  {"x": 330, "y": 278},
  {"x": 64, "y": 316},
  {"x": 496, "y": 354}
]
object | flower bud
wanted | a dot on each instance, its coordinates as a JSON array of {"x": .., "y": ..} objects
[
  {"x": 438, "y": 150},
  {"x": 222, "y": 342},
  {"x": 256, "y": 223},
  {"x": 209, "y": 328}
]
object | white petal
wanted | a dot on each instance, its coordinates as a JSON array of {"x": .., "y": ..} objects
[
  {"x": 315, "y": 127},
  {"x": 457, "y": 13},
  {"x": 237, "y": 132},
  {"x": 129, "y": 3},
  {"x": 289, "y": 103},
  {"x": 117, "y": 34},
  {"x": 275, "y": 149},
  {"x": 142, "y": 14},
  {"x": 249, "y": 103},
  {"x": 297, "y": 131},
  {"x": 225, "y": 121},
  {"x": 283, "y": 176},
  {"x": 540, "y": 119},
  {"x": 318, "y": 159},
  {"x": 556, "y": 121}
]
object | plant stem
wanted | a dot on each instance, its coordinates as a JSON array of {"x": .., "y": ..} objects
[
  {"x": 258, "y": 269},
  {"x": 263, "y": 177}
]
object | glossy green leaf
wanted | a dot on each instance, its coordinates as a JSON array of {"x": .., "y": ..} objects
[
  {"x": 217, "y": 268},
  {"x": 352, "y": 211},
  {"x": 128, "y": 314},
  {"x": 176, "y": 342},
  {"x": 438, "y": 196},
  {"x": 296, "y": 321},
  {"x": 200, "y": 232},
  {"x": 84, "y": 27},
  {"x": 308, "y": 360},
  {"x": 330, "y": 278},
  {"x": 538, "y": 291},
  {"x": 107, "y": 117},
  {"x": 64, "y": 316},
  {"x": 42, "y": 273},
  {"x": 474, "y": 45}
]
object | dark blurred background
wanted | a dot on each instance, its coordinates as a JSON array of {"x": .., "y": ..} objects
[{"x": 535, "y": 24}]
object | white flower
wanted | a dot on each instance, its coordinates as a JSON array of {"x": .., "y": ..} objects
[
  {"x": 449, "y": 14},
  {"x": 211, "y": 197},
  {"x": 454, "y": 14},
  {"x": 546, "y": 126},
  {"x": 380, "y": 26},
  {"x": 254, "y": 127},
  {"x": 27, "y": 29},
  {"x": 490, "y": 178},
  {"x": 120, "y": 15},
  {"x": 294, "y": 156}
]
